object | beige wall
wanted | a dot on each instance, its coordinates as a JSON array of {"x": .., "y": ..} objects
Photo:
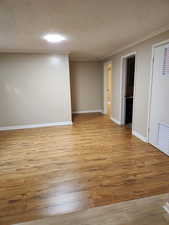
[
  {"x": 34, "y": 89},
  {"x": 86, "y": 86},
  {"x": 142, "y": 82}
]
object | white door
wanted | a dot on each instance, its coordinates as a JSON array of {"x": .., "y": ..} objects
[{"x": 159, "y": 114}]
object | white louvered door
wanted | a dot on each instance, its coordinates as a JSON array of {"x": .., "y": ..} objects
[{"x": 159, "y": 114}]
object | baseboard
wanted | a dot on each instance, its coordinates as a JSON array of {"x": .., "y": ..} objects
[
  {"x": 135, "y": 133},
  {"x": 88, "y": 111},
  {"x": 115, "y": 121},
  {"x": 36, "y": 125}
]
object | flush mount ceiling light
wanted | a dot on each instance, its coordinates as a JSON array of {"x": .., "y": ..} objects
[{"x": 54, "y": 38}]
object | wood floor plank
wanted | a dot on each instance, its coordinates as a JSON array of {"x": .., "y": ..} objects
[{"x": 48, "y": 171}]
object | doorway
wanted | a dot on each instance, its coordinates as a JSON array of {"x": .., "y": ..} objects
[
  {"x": 108, "y": 89},
  {"x": 128, "y": 76}
]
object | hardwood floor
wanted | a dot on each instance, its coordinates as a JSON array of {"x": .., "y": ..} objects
[{"x": 55, "y": 170}]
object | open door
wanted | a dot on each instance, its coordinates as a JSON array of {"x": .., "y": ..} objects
[{"x": 109, "y": 90}]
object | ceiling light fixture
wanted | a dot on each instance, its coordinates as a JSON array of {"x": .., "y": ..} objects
[{"x": 54, "y": 38}]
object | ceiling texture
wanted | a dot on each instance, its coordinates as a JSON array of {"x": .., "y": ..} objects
[{"x": 94, "y": 28}]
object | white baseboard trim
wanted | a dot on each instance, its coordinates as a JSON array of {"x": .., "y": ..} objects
[
  {"x": 135, "y": 133},
  {"x": 88, "y": 111},
  {"x": 36, "y": 125},
  {"x": 115, "y": 121}
]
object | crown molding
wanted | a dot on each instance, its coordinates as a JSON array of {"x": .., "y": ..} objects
[{"x": 153, "y": 34}]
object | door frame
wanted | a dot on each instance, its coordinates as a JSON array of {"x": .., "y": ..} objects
[
  {"x": 123, "y": 88},
  {"x": 105, "y": 85},
  {"x": 151, "y": 83}
]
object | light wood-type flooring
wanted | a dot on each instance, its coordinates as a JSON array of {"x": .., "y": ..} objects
[{"x": 57, "y": 170}]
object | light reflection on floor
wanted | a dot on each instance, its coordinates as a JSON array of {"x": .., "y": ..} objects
[{"x": 65, "y": 199}]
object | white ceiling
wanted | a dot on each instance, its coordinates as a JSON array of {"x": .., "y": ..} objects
[{"x": 94, "y": 28}]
